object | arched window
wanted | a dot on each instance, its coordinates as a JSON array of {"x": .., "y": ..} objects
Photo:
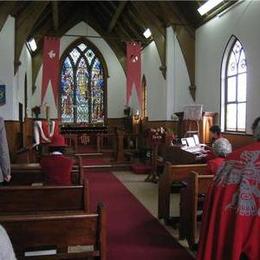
[
  {"x": 234, "y": 87},
  {"x": 83, "y": 85}
]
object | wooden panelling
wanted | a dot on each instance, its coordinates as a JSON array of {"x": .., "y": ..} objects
[
  {"x": 238, "y": 140},
  {"x": 115, "y": 122},
  {"x": 28, "y": 131}
]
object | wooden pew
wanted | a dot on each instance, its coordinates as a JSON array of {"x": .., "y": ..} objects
[
  {"x": 38, "y": 199},
  {"x": 58, "y": 231},
  {"x": 29, "y": 173},
  {"x": 197, "y": 184},
  {"x": 170, "y": 174}
]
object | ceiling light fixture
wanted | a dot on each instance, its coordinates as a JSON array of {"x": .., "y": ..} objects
[
  {"x": 209, "y": 5},
  {"x": 32, "y": 45},
  {"x": 147, "y": 33}
]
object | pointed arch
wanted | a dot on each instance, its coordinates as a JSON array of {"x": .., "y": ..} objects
[
  {"x": 233, "y": 87},
  {"x": 144, "y": 97},
  {"x": 83, "y": 84}
]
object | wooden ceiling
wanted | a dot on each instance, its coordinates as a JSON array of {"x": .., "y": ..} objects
[{"x": 116, "y": 21}]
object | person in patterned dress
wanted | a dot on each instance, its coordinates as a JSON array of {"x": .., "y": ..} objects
[{"x": 231, "y": 216}]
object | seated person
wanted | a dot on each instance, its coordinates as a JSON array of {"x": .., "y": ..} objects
[
  {"x": 56, "y": 166},
  {"x": 221, "y": 148},
  {"x": 230, "y": 223},
  {"x": 6, "y": 248},
  {"x": 216, "y": 134}
]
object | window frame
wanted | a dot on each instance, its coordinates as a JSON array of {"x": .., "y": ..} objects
[{"x": 224, "y": 87}]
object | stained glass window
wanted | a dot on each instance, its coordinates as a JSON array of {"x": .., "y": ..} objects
[
  {"x": 82, "y": 86},
  {"x": 235, "y": 89}
]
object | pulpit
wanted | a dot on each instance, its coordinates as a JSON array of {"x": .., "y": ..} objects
[{"x": 207, "y": 120}]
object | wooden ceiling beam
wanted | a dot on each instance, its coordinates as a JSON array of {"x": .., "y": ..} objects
[
  {"x": 5, "y": 9},
  {"x": 185, "y": 35},
  {"x": 115, "y": 44},
  {"x": 116, "y": 16},
  {"x": 135, "y": 19},
  {"x": 158, "y": 31},
  {"x": 55, "y": 15},
  {"x": 23, "y": 26},
  {"x": 130, "y": 28}
]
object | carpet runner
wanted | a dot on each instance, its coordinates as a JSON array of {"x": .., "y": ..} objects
[{"x": 133, "y": 233}]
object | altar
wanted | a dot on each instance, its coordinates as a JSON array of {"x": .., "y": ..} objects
[{"x": 83, "y": 134}]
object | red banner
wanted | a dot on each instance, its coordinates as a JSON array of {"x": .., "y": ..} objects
[
  {"x": 133, "y": 51},
  {"x": 50, "y": 69}
]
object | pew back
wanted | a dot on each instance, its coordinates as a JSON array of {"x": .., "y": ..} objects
[
  {"x": 29, "y": 173},
  {"x": 170, "y": 174},
  {"x": 58, "y": 231},
  {"x": 43, "y": 198}
]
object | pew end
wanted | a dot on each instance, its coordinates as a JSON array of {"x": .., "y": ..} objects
[
  {"x": 197, "y": 184},
  {"x": 171, "y": 174}
]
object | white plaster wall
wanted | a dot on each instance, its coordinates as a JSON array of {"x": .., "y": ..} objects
[
  {"x": 19, "y": 87},
  {"x": 116, "y": 84},
  {"x": 7, "y": 67},
  {"x": 156, "y": 84},
  {"x": 211, "y": 39},
  {"x": 178, "y": 81}
]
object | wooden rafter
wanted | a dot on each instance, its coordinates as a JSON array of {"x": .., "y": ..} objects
[
  {"x": 55, "y": 15},
  {"x": 23, "y": 26},
  {"x": 185, "y": 35},
  {"x": 158, "y": 31},
  {"x": 116, "y": 15},
  {"x": 129, "y": 27},
  {"x": 115, "y": 45}
]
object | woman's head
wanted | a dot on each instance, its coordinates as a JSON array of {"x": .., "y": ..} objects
[
  {"x": 256, "y": 128},
  {"x": 222, "y": 147},
  {"x": 215, "y": 131}
]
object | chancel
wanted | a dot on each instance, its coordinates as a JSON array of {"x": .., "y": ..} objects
[{"x": 136, "y": 96}]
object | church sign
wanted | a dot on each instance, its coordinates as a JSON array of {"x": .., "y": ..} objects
[{"x": 2, "y": 95}]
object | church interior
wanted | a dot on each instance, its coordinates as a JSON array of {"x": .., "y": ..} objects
[{"x": 113, "y": 112}]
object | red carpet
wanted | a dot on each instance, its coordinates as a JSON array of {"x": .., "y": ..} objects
[{"x": 133, "y": 233}]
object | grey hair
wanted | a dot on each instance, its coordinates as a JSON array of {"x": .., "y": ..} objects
[{"x": 222, "y": 147}]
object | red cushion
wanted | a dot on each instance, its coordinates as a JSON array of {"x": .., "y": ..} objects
[{"x": 141, "y": 168}]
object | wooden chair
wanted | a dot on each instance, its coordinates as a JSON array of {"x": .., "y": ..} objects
[
  {"x": 58, "y": 231},
  {"x": 38, "y": 199},
  {"x": 191, "y": 196}
]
